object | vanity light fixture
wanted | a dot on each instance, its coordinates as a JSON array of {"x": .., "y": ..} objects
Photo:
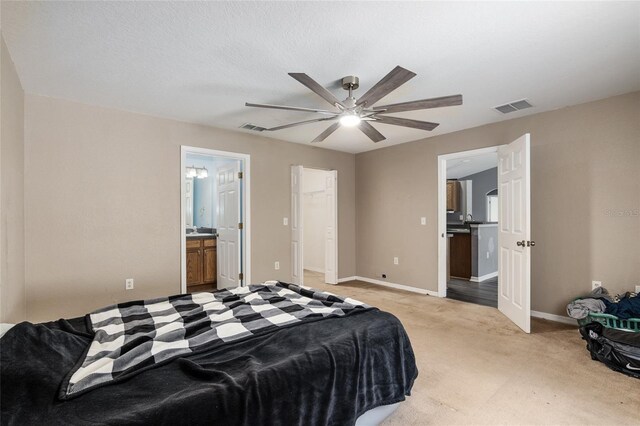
[
  {"x": 197, "y": 172},
  {"x": 202, "y": 173}
]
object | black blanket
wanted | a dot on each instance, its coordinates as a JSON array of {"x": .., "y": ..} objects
[{"x": 320, "y": 373}]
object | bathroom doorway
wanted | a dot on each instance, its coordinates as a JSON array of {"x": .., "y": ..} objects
[{"x": 215, "y": 228}]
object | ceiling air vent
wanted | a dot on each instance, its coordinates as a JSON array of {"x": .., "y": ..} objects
[
  {"x": 513, "y": 106},
  {"x": 249, "y": 126}
]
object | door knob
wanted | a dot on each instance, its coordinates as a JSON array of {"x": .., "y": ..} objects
[
  {"x": 520, "y": 243},
  {"x": 531, "y": 243}
]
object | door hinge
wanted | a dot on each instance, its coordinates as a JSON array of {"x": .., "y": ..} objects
[
  {"x": 240, "y": 175},
  {"x": 241, "y": 276},
  {"x": 240, "y": 225}
]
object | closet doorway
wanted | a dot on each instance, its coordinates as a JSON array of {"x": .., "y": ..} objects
[{"x": 314, "y": 223}]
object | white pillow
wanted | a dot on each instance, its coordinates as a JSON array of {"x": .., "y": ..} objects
[{"x": 4, "y": 327}]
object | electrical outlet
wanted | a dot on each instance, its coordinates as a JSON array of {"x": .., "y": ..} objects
[
  {"x": 277, "y": 265},
  {"x": 285, "y": 221},
  {"x": 423, "y": 221},
  {"x": 638, "y": 289},
  {"x": 395, "y": 261},
  {"x": 595, "y": 284},
  {"x": 128, "y": 284},
  {"x": 461, "y": 217}
]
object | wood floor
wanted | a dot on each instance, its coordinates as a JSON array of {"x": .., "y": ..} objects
[{"x": 484, "y": 293}]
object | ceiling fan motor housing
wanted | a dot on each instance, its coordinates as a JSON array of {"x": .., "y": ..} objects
[{"x": 350, "y": 82}]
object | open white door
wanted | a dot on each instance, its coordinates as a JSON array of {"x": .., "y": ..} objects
[
  {"x": 297, "y": 273},
  {"x": 228, "y": 229},
  {"x": 331, "y": 233},
  {"x": 514, "y": 192}
]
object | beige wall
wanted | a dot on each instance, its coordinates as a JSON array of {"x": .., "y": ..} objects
[
  {"x": 12, "y": 288},
  {"x": 585, "y": 161},
  {"x": 103, "y": 203}
]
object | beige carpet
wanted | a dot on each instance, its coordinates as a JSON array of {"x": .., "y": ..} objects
[{"x": 476, "y": 367}]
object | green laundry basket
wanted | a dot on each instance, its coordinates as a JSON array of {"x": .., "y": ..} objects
[{"x": 612, "y": 321}]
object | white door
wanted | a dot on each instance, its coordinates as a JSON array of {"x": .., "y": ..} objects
[
  {"x": 514, "y": 221},
  {"x": 228, "y": 220},
  {"x": 297, "y": 273},
  {"x": 331, "y": 232}
]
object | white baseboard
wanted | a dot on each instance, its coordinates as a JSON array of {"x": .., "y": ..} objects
[
  {"x": 552, "y": 317},
  {"x": 313, "y": 269},
  {"x": 345, "y": 279},
  {"x": 484, "y": 277},
  {"x": 396, "y": 286}
]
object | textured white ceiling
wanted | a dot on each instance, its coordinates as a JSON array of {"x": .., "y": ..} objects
[
  {"x": 461, "y": 167},
  {"x": 200, "y": 61}
]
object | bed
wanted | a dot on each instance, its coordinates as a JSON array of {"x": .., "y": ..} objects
[{"x": 325, "y": 370}]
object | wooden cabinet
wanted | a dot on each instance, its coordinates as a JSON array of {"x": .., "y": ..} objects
[
  {"x": 460, "y": 255},
  {"x": 201, "y": 264},
  {"x": 453, "y": 195},
  {"x": 209, "y": 260}
]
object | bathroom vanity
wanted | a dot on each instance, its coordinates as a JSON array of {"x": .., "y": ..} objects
[{"x": 201, "y": 263}]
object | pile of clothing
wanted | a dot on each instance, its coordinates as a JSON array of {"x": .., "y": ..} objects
[{"x": 623, "y": 306}]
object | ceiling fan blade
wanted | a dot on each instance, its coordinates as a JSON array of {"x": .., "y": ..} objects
[
  {"x": 315, "y": 87},
  {"x": 300, "y": 123},
  {"x": 390, "y": 82},
  {"x": 290, "y": 108},
  {"x": 405, "y": 122},
  {"x": 322, "y": 136},
  {"x": 371, "y": 131},
  {"x": 443, "y": 101}
]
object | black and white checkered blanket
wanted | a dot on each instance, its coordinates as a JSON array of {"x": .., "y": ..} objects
[{"x": 135, "y": 336}]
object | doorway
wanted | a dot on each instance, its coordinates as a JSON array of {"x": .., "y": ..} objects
[
  {"x": 472, "y": 235},
  {"x": 314, "y": 223},
  {"x": 215, "y": 228},
  {"x": 484, "y": 235}
]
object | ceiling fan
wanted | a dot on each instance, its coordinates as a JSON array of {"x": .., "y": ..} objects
[{"x": 362, "y": 112}]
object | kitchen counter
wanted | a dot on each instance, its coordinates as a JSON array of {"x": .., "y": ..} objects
[
  {"x": 473, "y": 250},
  {"x": 458, "y": 230}
]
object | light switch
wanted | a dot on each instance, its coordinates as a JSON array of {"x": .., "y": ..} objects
[
  {"x": 285, "y": 221},
  {"x": 423, "y": 221}
]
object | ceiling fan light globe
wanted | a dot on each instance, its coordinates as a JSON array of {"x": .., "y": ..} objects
[{"x": 349, "y": 120}]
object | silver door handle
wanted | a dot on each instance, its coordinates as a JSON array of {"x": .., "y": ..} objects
[{"x": 531, "y": 243}]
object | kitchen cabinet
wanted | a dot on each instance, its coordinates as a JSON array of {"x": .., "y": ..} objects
[
  {"x": 460, "y": 255},
  {"x": 453, "y": 195},
  {"x": 201, "y": 264}
]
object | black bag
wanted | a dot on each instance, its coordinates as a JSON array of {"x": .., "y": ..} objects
[{"x": 619, "y": 350}]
